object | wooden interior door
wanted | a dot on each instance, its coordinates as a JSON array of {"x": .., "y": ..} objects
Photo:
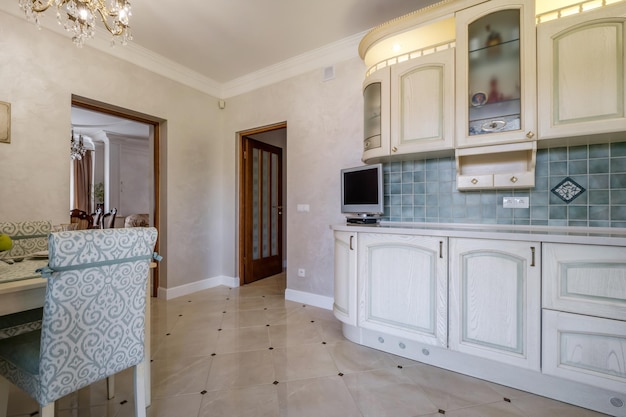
[{"x": 263, "y": 210}]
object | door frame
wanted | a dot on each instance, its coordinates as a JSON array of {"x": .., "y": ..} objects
[
  {"x": 157, "y": 125},
  {"x": 243, "y": 227}
]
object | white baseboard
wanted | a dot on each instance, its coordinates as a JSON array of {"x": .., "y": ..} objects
[
  {"x": 311, "y": 299},
  {"x": 186, "y": 289},
  {"x": 308, "y": 298}
]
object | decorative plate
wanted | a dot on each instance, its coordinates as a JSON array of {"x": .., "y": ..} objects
[
  {"x": 479, "y": 99},
  {"x": 493, "y": 126}
]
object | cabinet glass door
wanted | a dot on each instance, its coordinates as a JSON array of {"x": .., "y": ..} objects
[
  {"x": 494, "y": 79},
  {"x": 372, "y": 116}
]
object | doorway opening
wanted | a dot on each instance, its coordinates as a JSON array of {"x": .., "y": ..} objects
[
  {"x": 122, "y": 137},
  {"x": 262, "y": 188}
]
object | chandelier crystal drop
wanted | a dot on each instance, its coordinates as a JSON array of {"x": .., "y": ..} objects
[
  {"x": 79, "y": 17},
  {"x": 77, "y": 147}
]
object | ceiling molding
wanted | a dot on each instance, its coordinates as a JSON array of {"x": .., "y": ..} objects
[{"x": 318, "y": 58}]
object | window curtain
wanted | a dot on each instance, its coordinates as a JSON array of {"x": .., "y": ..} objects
[{"x": 82, "y": 182}]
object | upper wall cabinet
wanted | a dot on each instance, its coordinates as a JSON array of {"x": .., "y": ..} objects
[
  {"x": 409, "y": 107},
  {"x": 581, "y": 71},
  {"x": 376, "y": 116},
  {"x": 495, "y": 73}
]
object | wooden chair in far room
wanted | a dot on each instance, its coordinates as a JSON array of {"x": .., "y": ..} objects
[
  {"x": 97, "y": 218},
  {"x": 108, "y": 220},
  {"x": 81, "y": 218},
  {"x": 94, "y": 317}
]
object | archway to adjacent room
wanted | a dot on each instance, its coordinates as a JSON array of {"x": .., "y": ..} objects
[
  {"x": 153, "y": 182},
  {"x": 261, "y": 202}
]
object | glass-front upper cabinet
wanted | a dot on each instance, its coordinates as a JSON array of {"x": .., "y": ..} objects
[
  {"x": 376, "y": 115},
  {"x": 495, "y": 73}
]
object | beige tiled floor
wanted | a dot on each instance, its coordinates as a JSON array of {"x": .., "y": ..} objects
[{"x": 246, "y": 352}]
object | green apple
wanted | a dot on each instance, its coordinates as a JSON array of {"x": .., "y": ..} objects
[{"x": 5, "y": 242}]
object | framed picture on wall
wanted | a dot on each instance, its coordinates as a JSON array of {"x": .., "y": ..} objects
[{"x": 5, "y": 122}]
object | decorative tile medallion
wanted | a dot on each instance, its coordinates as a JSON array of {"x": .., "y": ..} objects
[{"x": 568, "y": 189}]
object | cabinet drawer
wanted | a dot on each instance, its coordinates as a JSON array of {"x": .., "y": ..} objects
[
  {"x": 465, "y": 182},
  {"x": 585, "y": 279},
  {"x": 586, "y": 349},
  {"x": 514, "y": 180}
]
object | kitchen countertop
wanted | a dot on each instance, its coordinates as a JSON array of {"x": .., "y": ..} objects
[{"x": 580, "y": 235}]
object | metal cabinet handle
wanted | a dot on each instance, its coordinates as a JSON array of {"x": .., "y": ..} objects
[
  {"x": 530, "y": 135},
  {"x": 351, "y": 248},
  {"x": 441, "y": 249},
  {"x": 513, "y": 179},
  {"x": 532, "y": 259},
  {"x": 474, "y": 181},
  {"x": 394, "y": 149}
]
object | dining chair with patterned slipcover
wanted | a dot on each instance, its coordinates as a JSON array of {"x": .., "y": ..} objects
[{"x": 93, "y": 323}]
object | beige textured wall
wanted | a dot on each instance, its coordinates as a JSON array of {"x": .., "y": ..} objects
[
  {"x": 324, "y": 134},
  {"x": 39, "y": 71}
]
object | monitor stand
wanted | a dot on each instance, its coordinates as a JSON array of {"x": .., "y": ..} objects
[{"x": 363, "y": 219}]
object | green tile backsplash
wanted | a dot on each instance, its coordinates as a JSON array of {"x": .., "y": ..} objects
[{"x": 425, "y": 191}]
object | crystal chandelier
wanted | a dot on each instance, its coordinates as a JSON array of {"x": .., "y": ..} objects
[
  {"x": 79, "y": 16},
  {"x": 77, "y": 147}
]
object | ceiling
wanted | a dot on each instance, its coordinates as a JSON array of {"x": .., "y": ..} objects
[{"x": 227, "y": 39}]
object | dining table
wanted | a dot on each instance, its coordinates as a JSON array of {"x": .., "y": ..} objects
[{"x": 23, "y": 288}]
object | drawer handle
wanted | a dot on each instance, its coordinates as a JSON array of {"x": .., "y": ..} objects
[
  {"x": 513, "y": 179},
  {"x": 532, "y": 259},
  {"x": 351, "y": 237},
  {"x": 474, "y": 181}
]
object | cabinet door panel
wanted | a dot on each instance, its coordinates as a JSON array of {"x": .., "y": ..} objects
[
  {"x": 495, "y": 300},
  {"x": 581, "y": 81},
  {"x": 344, "y": 305},
  {"x": 422, "y": 105},
  {"x": 587, "y": 349},
  {"x": 402, "y": 280},
  {"x": 585, "y": 279}
]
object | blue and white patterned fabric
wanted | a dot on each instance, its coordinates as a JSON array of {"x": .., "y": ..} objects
[
  {"x": 94, "y": 313},
  {"x": 28, "y": 237}
]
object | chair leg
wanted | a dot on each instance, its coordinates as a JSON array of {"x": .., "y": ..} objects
[
  {"x": 111, "y": 387},
  {"x": 140, "y": 390},
  {"x": 4, "y": 396},
  {"x": 47, "y": 410}
]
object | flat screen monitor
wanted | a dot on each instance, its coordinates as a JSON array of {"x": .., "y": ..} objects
[{"x": 362, "y": 191}]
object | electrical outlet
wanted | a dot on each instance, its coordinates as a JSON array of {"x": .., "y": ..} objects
[
  {"x": 301, "y": 272},
  {"x": 508, "y": 202},
  {"x": 515, "y": 202}
]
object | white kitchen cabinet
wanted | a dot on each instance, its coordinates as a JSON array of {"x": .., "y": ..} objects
[
  {"x": 581, "y": 73},
  {"x": 495, "y": 73},
  {"x": 416, "y": 108},
  {"x": 495, "y": 300},
  {"x": 587, "y": 349},
  {"x": 345, "y": 302},
  {"x": 584, "y": 315},
  {"x": 402, "y": 284},
  {"x": 376, "y": 116}
]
